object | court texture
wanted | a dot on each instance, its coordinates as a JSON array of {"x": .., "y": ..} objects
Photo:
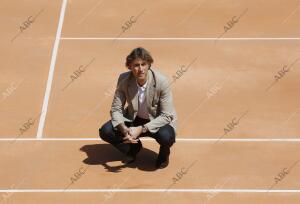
[{"x": 234, "y": 68}]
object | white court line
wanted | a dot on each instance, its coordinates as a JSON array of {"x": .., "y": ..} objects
[
  {"x": 150, "y": 190},
  {"x": 192, "y": 39},
  {"x": 51, "y": 71},
  {"x": 150, "y": 139}
]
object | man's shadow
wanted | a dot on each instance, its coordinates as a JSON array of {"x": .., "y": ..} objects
[{"x": 104, "y": 153}]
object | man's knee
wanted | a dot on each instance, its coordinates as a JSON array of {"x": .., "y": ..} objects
[
  {"x": 106, "y": 131},
  {"x": 166, "y": 136}
]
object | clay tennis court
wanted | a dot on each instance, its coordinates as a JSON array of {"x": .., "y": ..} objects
[{"x": 238, "y": 103}]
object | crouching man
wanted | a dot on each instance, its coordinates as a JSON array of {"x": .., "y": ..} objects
[{"x": 149, "y": 110}]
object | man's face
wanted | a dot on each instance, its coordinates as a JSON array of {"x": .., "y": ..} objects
[{"x": 139, "y": 69}]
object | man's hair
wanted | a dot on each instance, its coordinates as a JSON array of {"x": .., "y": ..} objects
[{"x": 139, "y": 53}]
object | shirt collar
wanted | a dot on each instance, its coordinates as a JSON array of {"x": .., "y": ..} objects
[{"x": 144, "y": 86}]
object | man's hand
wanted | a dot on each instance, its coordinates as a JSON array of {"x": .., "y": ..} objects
[
  {"x": 129, "y": 139},
  {"x": 135, "y": 131},
  {"x": 123, "y": 129},
  {"x": 126, "y": 133}
]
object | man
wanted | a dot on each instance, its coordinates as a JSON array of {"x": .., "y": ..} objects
[{"x": 149, "y": 110}]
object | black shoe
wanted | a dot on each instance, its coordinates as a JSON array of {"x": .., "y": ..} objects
[
  {"x": 162, "y": 163},
  {"x": 134, "y": 150},
  {"x": 163, "y": 157},
  {"x": 129, "y": 159}
]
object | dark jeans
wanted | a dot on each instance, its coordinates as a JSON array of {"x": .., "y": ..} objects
[{"x": 165, "y": 136}]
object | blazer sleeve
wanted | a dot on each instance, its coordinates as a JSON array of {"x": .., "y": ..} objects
[
  {"x": 118, "y": 103},
  {"x": 166, "y": 108}
]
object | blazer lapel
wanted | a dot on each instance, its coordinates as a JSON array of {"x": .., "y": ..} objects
[
  {"x": 133, "y": 92},
  {"x": 150, "y": 90}
]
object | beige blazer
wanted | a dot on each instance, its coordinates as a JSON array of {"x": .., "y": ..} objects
[{"x": 158, "y": 97}]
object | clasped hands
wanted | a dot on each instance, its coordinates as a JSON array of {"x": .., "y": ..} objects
[{"x": 130, "y": 134}]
